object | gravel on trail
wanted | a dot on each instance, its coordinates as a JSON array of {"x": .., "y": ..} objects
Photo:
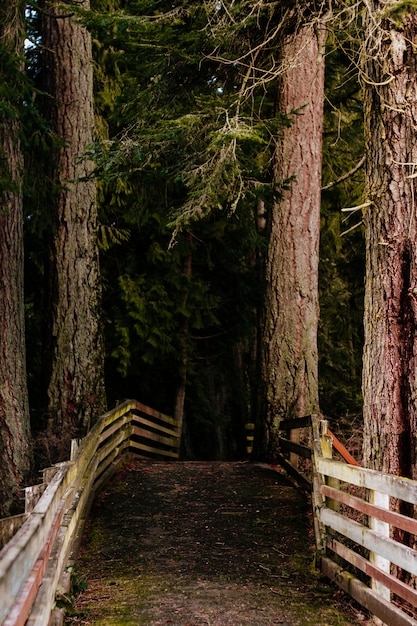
[{"x": 202, "y": 544}]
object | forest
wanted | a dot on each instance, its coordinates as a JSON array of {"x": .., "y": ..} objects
[{"x": 207, "y": 205}]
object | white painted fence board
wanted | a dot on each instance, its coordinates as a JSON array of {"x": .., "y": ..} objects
[
  {"x": 17, "y": 559},
  {"x": 386, "y": 611},
  {"x": 397, "y": 586},
  {"x": 394, "y": 486},
  {"x": 381, "y": 528},
  {"x": 401, "y": 555}
]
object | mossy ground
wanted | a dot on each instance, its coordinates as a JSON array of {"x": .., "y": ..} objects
[{"x": 193, "y": 544}]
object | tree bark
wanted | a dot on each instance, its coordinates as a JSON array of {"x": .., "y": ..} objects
[
  {"x": 15, "y": 437},
  {"x": 74, "y": 349},
  {"x": 390, "y": 350},
  {"x": 288, "y": 350}
]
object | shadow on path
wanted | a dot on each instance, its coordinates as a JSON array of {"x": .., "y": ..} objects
[{"x": 196, "y": 544}]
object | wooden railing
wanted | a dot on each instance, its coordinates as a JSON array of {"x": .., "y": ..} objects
[
  {"x": 357, "y": 524},
  {"x": 34, "y": 560}
]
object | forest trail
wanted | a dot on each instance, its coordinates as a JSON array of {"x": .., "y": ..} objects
[{"x": 202, "y": 544}]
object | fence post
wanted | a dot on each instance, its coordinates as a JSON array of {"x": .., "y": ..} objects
[
  {"x": 327, "y": 451},
  {"x": 75, "y": 444},
  {"x": 382, "y": 528},
  {"x": 317, "y": 499},
  {"x": 326, "y": 441}
]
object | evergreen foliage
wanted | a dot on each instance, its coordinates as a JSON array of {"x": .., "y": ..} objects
[
  {"x": 183, "y": 164},
  {"x": 186, "y": 121},
  {"x": 342, "y": 247}
]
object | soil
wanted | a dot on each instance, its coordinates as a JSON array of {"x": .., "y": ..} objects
[{"x": 200, "y": 543}]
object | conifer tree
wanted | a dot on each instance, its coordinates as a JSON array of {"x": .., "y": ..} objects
[
  {"x": 288, "y": 350},
  {"x": 73, "y": 353},
  {"x": 206, "y": 113},
  {"x": 390, "y": 352},
  {"x": 15, "y": 438}
]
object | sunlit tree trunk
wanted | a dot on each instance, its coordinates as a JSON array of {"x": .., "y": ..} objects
[
  {"x": 288, "y": 348},
  {"x": 390, "y": 323},
  {"x": 74, "y": 349},
  {"x": 15, "y": 447}
]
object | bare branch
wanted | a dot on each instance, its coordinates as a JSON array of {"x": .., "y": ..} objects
[{"x": 344, "y": 177}]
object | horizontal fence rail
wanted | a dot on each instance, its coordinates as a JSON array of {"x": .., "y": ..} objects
[
  {"x": 39, "y": 544},
  {"x": 358, "y": 525},
  {"x": 357, "y": 519}
]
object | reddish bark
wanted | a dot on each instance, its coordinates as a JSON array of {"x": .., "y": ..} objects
[
  {"x": 15, "y": 448},
  {"x": 390, "y": 353},
  {"x": 74, "y": 352},
  {"x": 289, "y": 329}
]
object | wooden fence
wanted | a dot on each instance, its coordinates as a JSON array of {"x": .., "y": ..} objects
[
  {"x": 357, "y": 524},
  {"x": 39, "y": 544}
]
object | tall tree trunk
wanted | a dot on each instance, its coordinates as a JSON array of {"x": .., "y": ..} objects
[
  {"x": 288, "y": 350},
  {"x": 15, "y": 439},
  {"x": 390, "y": 321},
  {"x": 74, "y": 349}
]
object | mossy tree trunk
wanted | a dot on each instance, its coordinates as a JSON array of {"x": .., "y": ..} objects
[
  {"x": 74, "y": 348},
  {"x": 390, "y": 322},
  {"x": 288, "y": 342},
  {"x": 15, "y": 438}
]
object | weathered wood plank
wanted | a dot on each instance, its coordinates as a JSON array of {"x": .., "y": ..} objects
[
  {"x": 116, "y": 426},
  {"x": 368, "y": 598},
  {"x": 68, "y": 492},
  {"x": 151, "y": 412},
  {"x": 298, "y": 476},
  {"x": 18, "y": 616},
  {"x": 162, "y": 429},
  {"x": 296, "y": 422},
  {"x": 338, "y": 445},
  {"x": 9, "y": 526},
  {"x": 297, "y": 448},
  {"x": 32, "y": 496},
  {"x": 395, "y": 486},
  {"x": 146, "y": 434},
  {"x": 21, "y": 553},
  {"x": 395, "y": 519},
  {"x": 396, "y": 586},
  {"x": 153, "y": 450},
  {"x": 401, "y": 555}
]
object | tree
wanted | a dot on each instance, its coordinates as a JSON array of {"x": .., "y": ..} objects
[
  {"x": 288, "y": 348},
  {"x": 186, "y": 146},
  {"x": 74, "y": 354},
  {"x": 15, "y": 442},
  {"x": 390, "y": 354},
  {"x": 207, "y": 112}
]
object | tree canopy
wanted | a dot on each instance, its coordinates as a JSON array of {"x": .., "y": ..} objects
[{"x": 183, "y": 158}]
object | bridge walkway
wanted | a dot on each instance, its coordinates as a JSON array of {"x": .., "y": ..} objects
[{"x": 202, "y": 544}]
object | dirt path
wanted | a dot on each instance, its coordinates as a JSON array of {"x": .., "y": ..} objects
[{"x": 193, "y": 544}]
